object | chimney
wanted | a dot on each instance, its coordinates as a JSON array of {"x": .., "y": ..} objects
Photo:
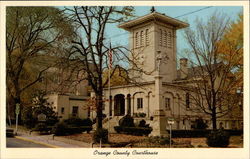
[{"x": 183, "y": 68}]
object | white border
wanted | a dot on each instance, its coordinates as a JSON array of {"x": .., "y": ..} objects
[{"x": 72, "y": 153}]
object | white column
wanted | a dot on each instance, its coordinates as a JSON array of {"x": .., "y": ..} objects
[
  {"x": 159, "y": 122},
  {"x": 132, "y": 105},
  {"x": 148, "y": 103}
]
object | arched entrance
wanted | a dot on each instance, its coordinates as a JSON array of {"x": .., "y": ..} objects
[{"x": 119, "y": 105}]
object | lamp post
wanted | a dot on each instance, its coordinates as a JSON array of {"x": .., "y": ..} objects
[
  {"x": 17, "y": 111},
  {"x": 170, "y": 122}
]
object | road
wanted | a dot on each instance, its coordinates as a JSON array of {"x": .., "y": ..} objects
[{"x": 18, "y": 143}]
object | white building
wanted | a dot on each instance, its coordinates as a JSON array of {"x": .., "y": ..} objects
[
  {"x": 158, "y": 97},
  {"x": 68, "y": 106}
]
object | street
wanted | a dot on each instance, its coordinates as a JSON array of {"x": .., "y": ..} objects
[{"x": 18, "y": 143}]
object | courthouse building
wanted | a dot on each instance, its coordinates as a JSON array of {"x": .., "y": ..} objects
[{"x": 157, "y": 96}]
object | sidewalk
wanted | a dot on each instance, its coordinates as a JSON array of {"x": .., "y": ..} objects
[{"x": 47, "y": 140}]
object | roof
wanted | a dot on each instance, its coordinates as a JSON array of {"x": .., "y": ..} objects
[
  {"x": 154, "y": 16},
  {"x": 71, "y": 96},
  {"x": 196, "y": 71}
]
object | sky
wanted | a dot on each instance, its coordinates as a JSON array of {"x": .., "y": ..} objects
[{"x": 190, "y": 14}]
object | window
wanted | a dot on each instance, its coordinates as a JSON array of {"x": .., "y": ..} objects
[
  {"x": 139, "y": 103},
  {"x": 142, "y": 39},
  {"x": 169, "y": 44},
  {"x": 136, "y": 39},
  {"x": 165, "y": 38},
  {"x": 167, "y": 103},
  {"x": 146, "y": 36},
  {"x": 187, "y": 101},
  {"x": 62, "y": 110},
  {"x": 160, "y": 40},
  {"x": 75, "y": 111}
]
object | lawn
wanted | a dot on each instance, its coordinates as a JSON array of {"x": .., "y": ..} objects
[{"x": 120, "y": 140}]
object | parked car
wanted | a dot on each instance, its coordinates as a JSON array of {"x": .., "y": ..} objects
[{"x": 9, "y": 132}]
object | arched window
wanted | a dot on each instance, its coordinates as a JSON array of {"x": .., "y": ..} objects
[
  {"x": 167, "y": 104},
  {"x": 136, "y": 39},
  {"x": 139, "y": 103},
  {"x": 142, "y": 39},
  {"x": 187, "y": 101},
  {"x": 146, "y": 36},
  {"x": 160, "y": 40}
]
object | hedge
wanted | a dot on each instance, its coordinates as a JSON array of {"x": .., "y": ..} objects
[
  {"x": 75, "y": 130},
  {"x": 63, "y": 129},
  {"x": 219, "y": 138},
  {"x": 201, "y": 133},
  {"x": 75, "y": 121},
  {"x": 42, "y": 127},
  {"x": 138, "y": 131}
]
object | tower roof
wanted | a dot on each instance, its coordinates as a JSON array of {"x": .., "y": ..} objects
[{"x": 151, "y": 17}]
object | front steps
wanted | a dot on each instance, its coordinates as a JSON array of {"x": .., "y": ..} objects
[{"x": 110, "y": 124}]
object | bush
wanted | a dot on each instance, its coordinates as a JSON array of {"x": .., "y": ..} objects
[
  {"x": 77, "y": 130},
  {"x": 29, "y": 120},
  {"x": 127, "y": 121},
  {"x": 139, "y": 131},
  {"x": 218, "y": 138},
  {"x": 74, "y": 121},
  {"x": 127, "y": 126},
  {"x": 30, "y": 113},
  {"x": 159, "y": 140},
  {"x": 51, "y": 120},
  {"x": 100, "y": 134},
  {"x": 139, "y": 115},
  {"x": 190, "y": 133},
  {"x": 143, "y": 124},
  {"x": 41, "y": 127},
  {"x": 87, "y": 122},
  {"x": 60, "y": 129},
  {"x": 199, "y": 124}
]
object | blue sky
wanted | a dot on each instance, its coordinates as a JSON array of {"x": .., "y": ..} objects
[{"x": 119, "y": 36}]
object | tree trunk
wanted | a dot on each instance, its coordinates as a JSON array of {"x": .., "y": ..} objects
[
  {"x": 99, "y": 110},
  {"x": 17, "y": 100},
  {"x": 214, "y": 119}
]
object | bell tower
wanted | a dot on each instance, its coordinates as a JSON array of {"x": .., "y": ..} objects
[{"x": 153, "y": 46}]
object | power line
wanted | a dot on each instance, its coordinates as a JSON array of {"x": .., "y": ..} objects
[
  {"x": 117, "y": 35},
  {"x": 193, "y": 11}
]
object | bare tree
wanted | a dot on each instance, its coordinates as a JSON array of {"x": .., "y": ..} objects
[
  {"x": 91, "y": 46},
  {"x": 213, "y": 84},
  {"x": 32, "y": 33}
]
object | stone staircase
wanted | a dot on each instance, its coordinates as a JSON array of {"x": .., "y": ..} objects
[
  {"x": 110, "y": 124},
  {"x": 114, "y": 121}
]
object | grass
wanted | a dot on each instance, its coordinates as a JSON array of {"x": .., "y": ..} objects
[{"x": 121, "y": 140}]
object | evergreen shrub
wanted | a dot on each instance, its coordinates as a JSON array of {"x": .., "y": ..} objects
[
  {"x": 60, "y": 129},
  {"x": 127, "y": 121},
  {"x": 218, "y": 138}
]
